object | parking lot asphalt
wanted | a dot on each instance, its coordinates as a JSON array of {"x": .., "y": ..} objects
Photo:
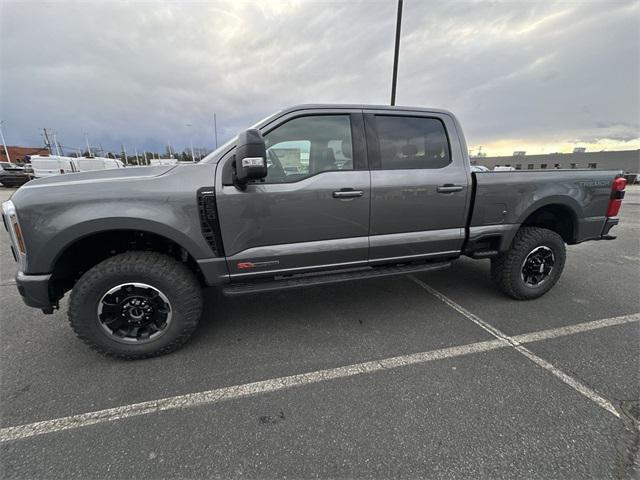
[{"x": 491, "y": 412}]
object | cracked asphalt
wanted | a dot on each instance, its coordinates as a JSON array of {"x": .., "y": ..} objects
[{"x": 493, "y": 414}]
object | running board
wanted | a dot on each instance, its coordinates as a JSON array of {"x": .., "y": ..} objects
[{"x": 307, "y": 280}]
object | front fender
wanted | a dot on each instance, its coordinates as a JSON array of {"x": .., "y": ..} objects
[{"x": 66, "y": 238}]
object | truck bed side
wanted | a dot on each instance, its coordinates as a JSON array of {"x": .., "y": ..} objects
[{"x": 573, "y": 202}]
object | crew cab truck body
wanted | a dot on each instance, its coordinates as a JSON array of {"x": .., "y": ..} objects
[{"x": 310, "y": 195}]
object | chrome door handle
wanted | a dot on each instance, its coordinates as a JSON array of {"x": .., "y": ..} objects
[
  {"x": 348, "y": 193},
  {"x": 448, "y": 188}
]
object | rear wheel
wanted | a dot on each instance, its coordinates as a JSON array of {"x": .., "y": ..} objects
[
  {"x": 533, "y": 264},
  {"x": 136, "y": 305}
]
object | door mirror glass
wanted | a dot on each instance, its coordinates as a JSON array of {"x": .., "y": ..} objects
[{"x": 250, "y": 161}]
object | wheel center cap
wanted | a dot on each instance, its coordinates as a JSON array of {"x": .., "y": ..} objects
[{"x": 136, "y": 313}]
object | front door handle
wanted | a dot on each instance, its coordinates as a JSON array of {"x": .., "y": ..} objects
[
  {"x": 348, "y": 193},
  {"x": 449, "y": 188}
]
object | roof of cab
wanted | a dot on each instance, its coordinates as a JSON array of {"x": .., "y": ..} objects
[{"x": 355, "y": 106}]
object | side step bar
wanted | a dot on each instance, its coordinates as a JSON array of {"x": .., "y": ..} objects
[
  {"x": 485, "y": 254},
  {"x": 329, "y": 277}
]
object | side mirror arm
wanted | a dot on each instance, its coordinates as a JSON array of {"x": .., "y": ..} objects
[{"x": 239, "y": 184}]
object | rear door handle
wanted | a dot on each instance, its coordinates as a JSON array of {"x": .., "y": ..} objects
[
  {"x": 449, "y": 188},
  {"x": 348, "y": 193}
]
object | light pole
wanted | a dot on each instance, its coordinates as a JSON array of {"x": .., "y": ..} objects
[
  {"x": 4, "y": 144},
  {"x": 396, "y": 52},
  {"x": 193, "y": 157},
  {"x": 215, "y": 128}
]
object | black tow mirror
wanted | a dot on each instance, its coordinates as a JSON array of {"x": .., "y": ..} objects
[{"x": 251, "y": 157}]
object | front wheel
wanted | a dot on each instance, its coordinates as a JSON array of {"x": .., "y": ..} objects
[
  {"x": 532, "y": 266},
  {"x": 136, "y": 305}
]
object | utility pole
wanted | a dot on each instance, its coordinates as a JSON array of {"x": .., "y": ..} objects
[
  {"x": 4, "y": 144},
  {"x": 137, "y": 159},
  {"x": 124, "y": 154},
  {"x": 57, "y": 145},
  {"x": 396, "y": 53},
  {"x": 215, "y": 128},
  {"x": 193, "y": 158},
  {"x": 47, "y": 142},
  {"x": 86, "y": 139},
  {"x": 169, "y": 147},
  {"x": 146, "y": 162}
]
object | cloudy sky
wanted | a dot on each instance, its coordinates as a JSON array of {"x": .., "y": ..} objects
[{"x": 540, "y": 76}]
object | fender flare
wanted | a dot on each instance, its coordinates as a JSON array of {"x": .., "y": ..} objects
[{"x": 68, "y": 237}]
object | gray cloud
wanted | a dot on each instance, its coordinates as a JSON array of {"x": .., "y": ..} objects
[{"x": 135, "y": 73}]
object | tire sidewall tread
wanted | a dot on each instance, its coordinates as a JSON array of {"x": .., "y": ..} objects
[
  {"x": 506, "y": 267},
  {"x": 173, "y": 278}
]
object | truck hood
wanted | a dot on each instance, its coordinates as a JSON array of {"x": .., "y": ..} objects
[{"x": 115, "y": 174}]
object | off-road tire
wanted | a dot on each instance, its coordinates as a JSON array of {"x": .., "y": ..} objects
[
  {"x": 506, "y": 268},
  {"x": 173, "y": 278}
]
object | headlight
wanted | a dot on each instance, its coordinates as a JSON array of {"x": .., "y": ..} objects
[{"x": 11, "y": 223}]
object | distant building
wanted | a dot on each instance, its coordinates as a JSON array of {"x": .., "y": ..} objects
[
  {"x": 626, "y": 160},
  {"x": 19, "y": 154},
  {"x": 579, "y": 150},
  {"x": 519, "y": 153}
]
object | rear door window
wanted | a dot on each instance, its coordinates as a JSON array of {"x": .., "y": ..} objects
[{"x": 412, "y": 142}]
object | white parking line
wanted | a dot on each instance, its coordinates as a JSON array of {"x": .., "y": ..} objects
[
  {"x": 516, "y": 344},
  {"x": 237, "y": 391},
  {"x": 276, "y": 384},
  {"x": 577, "y": 328}
]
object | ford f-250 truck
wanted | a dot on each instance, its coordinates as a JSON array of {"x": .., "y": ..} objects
[{"x": 311, "y": 195}]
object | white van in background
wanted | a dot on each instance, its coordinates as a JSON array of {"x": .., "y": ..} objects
[
  {"x": 163, "y": 161},
  {"x": 84, "y": 164},
  {"x": 59, "y": 165},
  {"x": 52, "y": 165}
]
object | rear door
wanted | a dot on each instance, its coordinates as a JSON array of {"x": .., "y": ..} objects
[
  {"x": 419, "y": 186},
  {"x": 312, "y": 210}
]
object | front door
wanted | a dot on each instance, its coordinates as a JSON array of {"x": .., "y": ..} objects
[
  {"x": 419, "y": 186},
  {"x": 312, "y": 210}
]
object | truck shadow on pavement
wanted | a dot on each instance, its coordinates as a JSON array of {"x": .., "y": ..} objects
[{"x": 376, "y": 304}]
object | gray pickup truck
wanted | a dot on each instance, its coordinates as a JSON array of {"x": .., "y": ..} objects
[{"x": 311, "y": 195}]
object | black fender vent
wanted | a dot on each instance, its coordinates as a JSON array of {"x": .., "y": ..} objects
[{"x": 209, "y": 222}]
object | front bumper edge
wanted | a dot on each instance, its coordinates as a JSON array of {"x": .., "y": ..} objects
[{"x": 34, "y": 290}]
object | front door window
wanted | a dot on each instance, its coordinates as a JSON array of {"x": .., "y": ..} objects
[{"x": 306, "y": 146}]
